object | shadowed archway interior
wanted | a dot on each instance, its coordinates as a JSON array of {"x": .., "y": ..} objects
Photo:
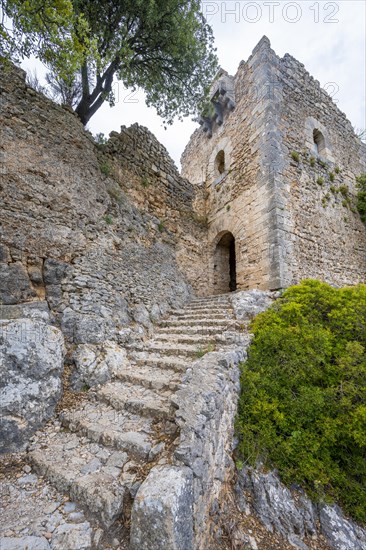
[{"x": 225, "y": 264}]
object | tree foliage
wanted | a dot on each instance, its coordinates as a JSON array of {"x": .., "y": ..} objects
[
  {"x": 47, "y": 29},
  {"x": 164, "y": 47},
  {"x": 303, "y": 392}
]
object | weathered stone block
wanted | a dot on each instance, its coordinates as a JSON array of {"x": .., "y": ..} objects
[
  {"x": 15, "y": 284},
  {"x": 31, "y": 364},
  {"x": 73, "y": 537},
  {"x": 54, "y": 271},
  {"x": 4, "y": 254},
  {"x": 24, "y": 543},
  {"x": 97, "y": 364},
  {"x": 341, "y": 533},
  {"x": 162, "y": 514}
]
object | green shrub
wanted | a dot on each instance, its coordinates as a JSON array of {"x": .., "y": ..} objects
[
  {"x": 295, "y": 156},
  {"x": 302, "y": 407},
  {"x": 343, "y": 189},
  {"x": 100, "y": 139},
  {"x": 108, "y": 219},
  {"x": 331, "y": 176},
  {"x": 208, "y": 349},
  {"x": 337, "y": 170},
  {"x": 361, "y": 196},
  {"x": 320, "y": 181},
  {"x": 161, "y": 227},
  {"x": 145, "y": 182},
  {"x": 105, "y": 168},
  {"x": 115, "y": 194},
  {"x": 312, "y": 162}
]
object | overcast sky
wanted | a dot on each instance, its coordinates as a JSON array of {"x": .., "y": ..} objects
[{"x": 328, "y": 37}]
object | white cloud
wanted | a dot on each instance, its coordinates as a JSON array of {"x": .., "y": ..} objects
[{"x": 333, "y": 50}]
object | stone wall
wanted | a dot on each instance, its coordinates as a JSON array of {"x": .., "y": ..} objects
[
  {"x": 286, "y": 226},
  {"x": 105, "y": 241},
  {"x": 240, "y": 200},
  {"x": 324, "y": 236}
]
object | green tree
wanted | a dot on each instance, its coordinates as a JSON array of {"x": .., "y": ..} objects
[
  {"x": 164, "y": 47},
  {"x": 303, "y": 392},
  {"x": 48, "y": 29}
]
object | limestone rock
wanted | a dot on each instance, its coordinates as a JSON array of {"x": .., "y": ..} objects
[
  {"x": 72, "y": 536},
  {"x": 4, "y": 254},
  {"x": 294, "y": 516},
  {"x": 275, "y": 505},
  {"x": 247, "y": 305},
  {"x": 342, "y": 534},
  {"x": 162, "y": 514},
  {"x": 141, "y": 315},
  {"x": 31, "y": 364},
  {"x": 98, "y": 364},
  {"x": 38, "y": 311},
  {"x": 15, "y": 285},
  {"x": 54, "y": 271},
  {"x": 83, "y": 328},
  {"x": 24, "y": 543}
]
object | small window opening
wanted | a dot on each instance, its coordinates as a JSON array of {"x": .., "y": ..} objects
[
  {"x": 220, "y": 162},
  {"x": 319, "y": 142}
]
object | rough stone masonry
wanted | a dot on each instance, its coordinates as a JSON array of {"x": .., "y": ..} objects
[
  {"x": 99, "y": 242},
  {"x": 277, "y": 171}
]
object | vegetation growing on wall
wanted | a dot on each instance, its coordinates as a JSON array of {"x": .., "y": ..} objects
[
  {"x": 303, "y": 392},
  {"x": 361, "y": 196}
]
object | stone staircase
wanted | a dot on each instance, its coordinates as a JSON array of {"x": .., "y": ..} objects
[{"x": 100, "y": 452}]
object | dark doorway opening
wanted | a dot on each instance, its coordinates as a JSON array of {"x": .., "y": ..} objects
[
  {"x": 225, "y": 264},
  {"x": 232, "y": 264}
]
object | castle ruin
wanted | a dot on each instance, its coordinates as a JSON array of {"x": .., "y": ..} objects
[
  {"x": 276, "y": 164},
  {"x": 123, "y": 302}
]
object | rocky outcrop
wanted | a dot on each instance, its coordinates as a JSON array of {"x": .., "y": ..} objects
[
  {"x": 31, "y": 365},
  {"x": 163, "y": 511},
  {"x": 247, "y": 305},
  {"x": 276, "y": 507},
  {"x": 97, "y": 364},
  {"x": 341, "y": 533},
  {"x": 292, "y": 514}
]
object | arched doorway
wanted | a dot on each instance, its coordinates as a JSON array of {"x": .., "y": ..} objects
[{"x": 225, "y": 264}]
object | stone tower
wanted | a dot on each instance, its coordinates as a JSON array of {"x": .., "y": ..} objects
[{"x": 274, "y": 164}]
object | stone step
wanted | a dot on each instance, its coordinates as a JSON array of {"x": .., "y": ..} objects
[
  {"x": 137, "y": 399},
  {"x": 206, "y": 329},
  {"x": 203, "y": 310},
  {"x": 210, "y": 301},
  {"x": 213, "y": 297},
  {"x": 150, "y": 376},
  {"x": 177, "y": 364},
  {"x": 105, "y": 425},
  {"x": 199, "y": 339},
  {"x": 193, "y": 316},
  {"x": 176, "y": 350},
  {"x": 99, "y": 479},
  {"x": 199, "y": 322}
]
